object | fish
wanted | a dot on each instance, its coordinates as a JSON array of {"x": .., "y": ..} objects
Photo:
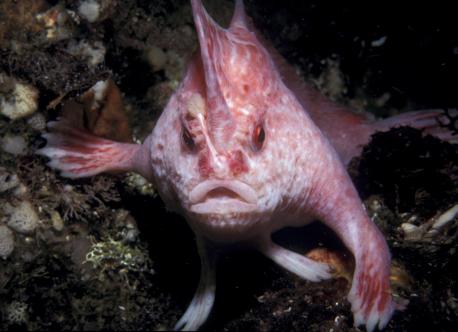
[{"x": 243, "y": 148}]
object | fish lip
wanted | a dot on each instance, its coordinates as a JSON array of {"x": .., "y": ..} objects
[
  {"x": 222, "y": 206},
  {"x": 244, "y": 198},
  {"x": 244, "y": 191}
]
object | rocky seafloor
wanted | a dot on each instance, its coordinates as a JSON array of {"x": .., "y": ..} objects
[{"x": 103, "y": 253}]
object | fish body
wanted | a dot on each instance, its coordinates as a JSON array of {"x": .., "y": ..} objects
[{"x": 245, "y": 148}]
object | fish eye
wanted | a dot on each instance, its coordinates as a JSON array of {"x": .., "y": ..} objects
[
  {"x": 187, "y": 140},
  {"x": 259, "y": 136}
]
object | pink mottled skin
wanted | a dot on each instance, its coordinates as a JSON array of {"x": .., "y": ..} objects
[{"x": 245, "y": 148}]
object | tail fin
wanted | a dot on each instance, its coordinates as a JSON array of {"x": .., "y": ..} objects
[
  {"x": 440, "y": 123},
  {"x": 78, "y": 153}
]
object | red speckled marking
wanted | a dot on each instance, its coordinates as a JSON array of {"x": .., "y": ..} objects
[
  {"x": 237, "y": 163},
  {"x": 374, "y": 287},
  {"x": 385, "y": 297},
  {"x": 73, "y": 160},
  {"x": 205, "y": 168},
  {"x": 371, "y": 288},
  {"x": 108, "y": 157}
]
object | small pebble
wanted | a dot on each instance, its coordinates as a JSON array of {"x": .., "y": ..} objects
[
  {"x": 6, "y": 242},
  {"x": 411, "y": 232},
  {"x": 7, "y": 180},
  {"x": 20, "y": 190},
  {"x": 15, "y": 145},
  {"x": 22, "y": 218},
  {"x": 156, "y": 58},
  {"x": 57, "y": 222},
  {"x": 18, "y": 102},
  {"x": 89, "y": 10},
  {"x": 37, "y": 122}
]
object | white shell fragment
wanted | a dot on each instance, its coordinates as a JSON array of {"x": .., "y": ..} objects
[
  {"x": 411, "y": 231},
  {"x": 196, "y": 105},
  {"x": 100, "y": 91},
  {"x": 430, "y": 229},
  {"x": 92, "y": 52},
  {"x": 6, "y": 242},
  {"x": 22, "y": 218},
  {"x": 89, "y": 10},
  {"x": 379, "y": 42},
  {"x": 19, "y": 101},
  {"x": 95, "y": 10},
  {"x": 443, "y": 220}
]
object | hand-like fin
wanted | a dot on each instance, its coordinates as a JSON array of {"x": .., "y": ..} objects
[
  {"x": 202, "y": 302},
  {"x": 78, "y": 153},
  {"x": 300, "y": 265},
  {"x": 440, "y": 123}
]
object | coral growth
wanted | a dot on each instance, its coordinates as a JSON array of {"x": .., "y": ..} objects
[{"x": 116, "y": 259}]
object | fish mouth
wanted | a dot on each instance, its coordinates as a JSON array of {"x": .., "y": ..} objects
[{"x": 222, "y": 196}]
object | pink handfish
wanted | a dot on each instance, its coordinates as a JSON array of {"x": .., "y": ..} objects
[{"x": 244, "y": 148}]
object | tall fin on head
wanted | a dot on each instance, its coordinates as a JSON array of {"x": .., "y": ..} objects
[
  {"x": 212, "y": 40},
  {"x": 237, "y": 69},
  {"x": 239, "y": 19}
]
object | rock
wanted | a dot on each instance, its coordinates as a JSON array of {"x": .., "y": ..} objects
[
  {"x": 37, "y": 122},
  {"x": 6, "y": 241},
  {"x": 95, "y": 10},
  {"x": 15, "y": 145},
  {"x": 7, "y": 180},
  {"x": 10, "y": 182},
  {"x": 89, "y": 10},
  {"x": 17, "y": 100},
  {"x": 22, "y": 218}
]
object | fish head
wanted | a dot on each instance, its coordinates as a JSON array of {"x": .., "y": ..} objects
[{"x": 232, "y": 122}]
